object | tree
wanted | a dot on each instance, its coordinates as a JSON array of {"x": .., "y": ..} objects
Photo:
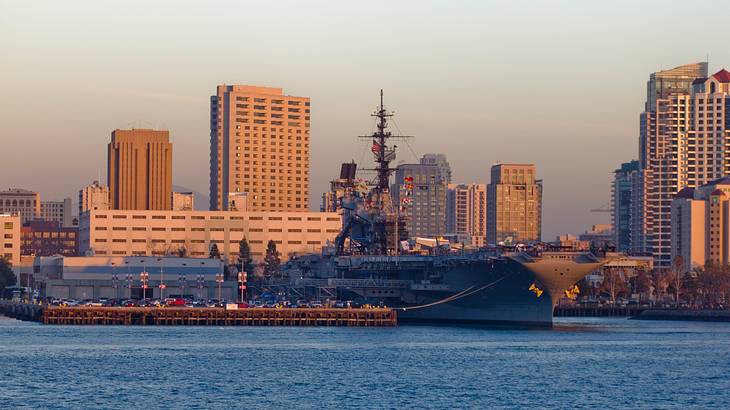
[
  {"x": 613, "y": 284},
  {"x": 7, "y": 277},
  {"x": 271, "y": 260},
  {"x": 659, "y": 284},
  {"x": 245, "y": 263},
  {"x": 182, "y": 252},
  {"x": 674, "y": 277},
  {"x": 713, "y": 283},
  {"x": 642, "y": 283},
  {"x": 214, "y": 252}
]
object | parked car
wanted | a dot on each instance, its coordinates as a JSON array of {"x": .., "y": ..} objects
[{"x": 216, "y": 303}]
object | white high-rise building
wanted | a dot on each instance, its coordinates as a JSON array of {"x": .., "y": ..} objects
[
  {"x": 466, "y": 213},
  {"x": 684, "y": 142}
]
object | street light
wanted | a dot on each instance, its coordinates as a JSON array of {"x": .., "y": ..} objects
[
  {"x": 182, "y": 281},
  {"x": 201, "y": 280},
  {"x": 242, "y": 279},
  {"x": 219, "y": 279},
  {"x": 115, "y": 285},
  {"x": 129, "y": 284},
  {"x": 162, "y": 281},
  {"x": 129, "y": 278},
  {"x": 144, "y": 277},
  {"x": 115, "y": 279}
]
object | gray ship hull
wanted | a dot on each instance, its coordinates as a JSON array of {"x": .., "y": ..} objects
[
  {"x": 510, "y": 289},
  {"x": 497, "y": 292},
  {"x": 508, "y": 302}
]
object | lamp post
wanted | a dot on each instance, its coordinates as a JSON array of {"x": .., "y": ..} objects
[
  {"x": 182, "y": 282},
  {"x": 201, "y": 280},
  {"x": 242, "y": 276},
  {"x": 143, "y": 278},
  {"x": 219, "y": 279},
  {"x": 115, "y": 281},
  {"x": 146, "y": 275},
  {"x": 129, "y": 279},
  {"x": 181, "y": 279},
  {"x": 162, "y": 278},
  {"x": 115, "y": 285},
  {"x": 129, "y": 284}
]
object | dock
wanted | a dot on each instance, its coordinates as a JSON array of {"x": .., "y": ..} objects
[
  {"x": 597, "y": 311},
  {"x": 174, "y": 316}
]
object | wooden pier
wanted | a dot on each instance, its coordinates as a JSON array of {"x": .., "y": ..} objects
[
  {"x": 597, "y": 311},
  {"x": 218, "y": 316}
]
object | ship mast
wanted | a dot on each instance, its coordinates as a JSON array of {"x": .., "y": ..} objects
[
  {"x": 381, "y": 137},
  {"x": 383, "y": 156}
]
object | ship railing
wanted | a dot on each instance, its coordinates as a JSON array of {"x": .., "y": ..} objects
[{"x": 354, "y": 283}]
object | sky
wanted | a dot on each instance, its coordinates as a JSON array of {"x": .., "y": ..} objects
[{"x": 559, "y": 84}]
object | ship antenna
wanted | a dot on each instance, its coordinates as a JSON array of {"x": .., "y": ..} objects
[{"x": 383, "y": 155}]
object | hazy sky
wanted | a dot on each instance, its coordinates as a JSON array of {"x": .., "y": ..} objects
[{"x": 560, "y": 84}]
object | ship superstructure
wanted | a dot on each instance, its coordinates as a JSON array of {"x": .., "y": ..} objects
[{"x": 370, "y": 263}]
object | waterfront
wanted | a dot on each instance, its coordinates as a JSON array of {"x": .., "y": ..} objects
[{"x": 586, "y": 362}]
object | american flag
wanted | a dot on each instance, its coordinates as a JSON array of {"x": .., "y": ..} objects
[{"x": 375, "y": 148}]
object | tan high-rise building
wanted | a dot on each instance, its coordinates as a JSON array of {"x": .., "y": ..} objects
[
  {"x": 93, "y": 197},
  {"x": 140, "y": 170},
  {"x": 700, "y": 225},
  {"x": 10, "y": 237},
  {"x": 514, "y": 204},
  {"x": 466, "y": 212},
  {"x": 259, "y": 144}
]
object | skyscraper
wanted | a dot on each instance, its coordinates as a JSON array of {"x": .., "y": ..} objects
[
  {"x": 421, "y": 191},
  {"x": 139, "y": 170},
  {"x": 514, "y": 204},
  {"x": 664, "y": 128},
  {"x": 93, "y": 197},
  {"x": 259, "y": 144},
  {"x": 441, "y": 162},
  {"x": 624, "y": 210},
  {"x": 681, "y": 145},
  {"x": 466, "y": 212}
]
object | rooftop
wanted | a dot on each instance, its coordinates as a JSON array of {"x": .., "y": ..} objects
[{"x": 722, "y": 76}]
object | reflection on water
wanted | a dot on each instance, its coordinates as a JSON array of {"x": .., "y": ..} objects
[{"x": 588, "y": 362}]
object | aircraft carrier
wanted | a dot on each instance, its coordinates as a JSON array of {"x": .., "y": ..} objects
[{"x": 371, "y": 261}]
